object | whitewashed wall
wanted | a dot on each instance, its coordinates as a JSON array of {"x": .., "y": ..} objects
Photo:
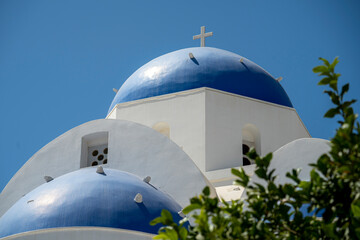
[
  {"x": 184, "y": 112},
  {"x": 133, "y": 148},
  {"x": 226, "y": 116},
  {"x": 207, "y": 124}
]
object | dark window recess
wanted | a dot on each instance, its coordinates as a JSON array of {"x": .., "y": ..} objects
[
  {"x": 245, "y": 149},
  {"x": 246, "y": 161}
]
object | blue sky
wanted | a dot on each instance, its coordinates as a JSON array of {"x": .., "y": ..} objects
[{"x": 59, "y": 60}]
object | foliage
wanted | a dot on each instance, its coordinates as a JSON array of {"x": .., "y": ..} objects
[{"x": 273, "y": 211}]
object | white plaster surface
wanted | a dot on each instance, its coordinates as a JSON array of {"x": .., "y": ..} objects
[
  {"x": 133, "y": 148},
  {"x": 183, "y": 111},
  {"x": 223, "y": 181},
  {"x": 230, "y": 192},
  {"x": 208, "y": 124},
  {"x": 227, "y": 115},
  {"x": 205, "y": 127},
  {"x": 80, "y": 233},
  {"x": 297, "y": 154},
  {"x": 224, "y": 177}
]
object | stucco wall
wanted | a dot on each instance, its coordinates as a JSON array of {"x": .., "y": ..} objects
[
  {"x": 227, "y": 115},
  {"x": 183, "y": 111},
  {"x": 297, "y": 154},
  {"x": 133, "y": 148},
  {"x": 207, "y": 124}
]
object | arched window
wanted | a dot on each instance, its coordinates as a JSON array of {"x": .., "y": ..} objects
[
  {"x": 163, "y": 128},
  {"x": 250, "y": 139}
]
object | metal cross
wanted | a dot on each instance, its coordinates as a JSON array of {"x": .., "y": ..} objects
[{"x": 202, "y": 36}]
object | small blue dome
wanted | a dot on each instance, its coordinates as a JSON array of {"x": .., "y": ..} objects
[
  {"x": 86, "y": 198},
  {"x": 210, "y": 67}
]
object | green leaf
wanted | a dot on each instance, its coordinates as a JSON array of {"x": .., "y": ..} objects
[
  {"x": 344, "y": 89},
  {"x": 355, "y": 210},
  {"x": 191, "y": 207},
  {"x": 252, "y": 154},
  {"x": 326, "y": 62},
  {"x": 324, "y": 81},
  {"x": 267, "y": 159},
  {"x": 322, "y": 163},
  {"x": 333, "y": 84},
  {"x": 168, "y": 234},
  {"x": 315, "y": 177},
  {"x": 270, "y": 174},
  {"x": 272, "y": 186},
  {"x": 288, "y": 189},
  {"x": 330, "y": 230},
  {"x": 320, "y": 69},
  {"x": 161, "y": 235},
  {"x": 183, "y": 233},
  {"x": 294, "y": 175},
  {"x": 334, "y": 63},
  {"x": 305, "y": 185},
  {"x": 261, "y": 173},
  {"x": 348, "y": 103},
  {"x": 331, "y": 113},
  {"x": 156, "y": 221},
  {"x": 260, "y": 187},
  {"x": 206, "y": 191},
  {"x": 244, "y": 178},
  {"x": 357, "y": 231},
  {"x": 166, "y": 215},
  {"x": 195, "y": 200},
  {"x": 236, "y": 172},
  {"x": 330, "y": 93},
  {"x": 335, "y": 99}
]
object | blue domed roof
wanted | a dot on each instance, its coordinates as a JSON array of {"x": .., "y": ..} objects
[
  {"x": 86, "y": 198},
  {"x": 210, "y": 67}
]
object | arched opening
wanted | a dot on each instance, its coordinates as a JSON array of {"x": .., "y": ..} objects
[
  {"x": 250, "y": 139},
  {"x": 163, "y": 128}
]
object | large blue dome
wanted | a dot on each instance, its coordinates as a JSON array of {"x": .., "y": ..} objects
[
  {"x": 210, "y": 67},
  {"x": 87, "y": 198}
]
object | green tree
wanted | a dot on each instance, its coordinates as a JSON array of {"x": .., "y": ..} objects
[{"x": 272, "y": 211}]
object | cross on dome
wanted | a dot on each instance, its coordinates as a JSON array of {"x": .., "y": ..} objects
[{"x": 202, "y": 36}]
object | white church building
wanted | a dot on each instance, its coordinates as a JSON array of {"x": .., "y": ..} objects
[{"x": 177, "y": 124}]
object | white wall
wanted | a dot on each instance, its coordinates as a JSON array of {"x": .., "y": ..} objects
[
  {"x": 184, "y": 112},
  {"x": 208, "y": 124},
  {"x": 133, "y": 148},
  {"x": 226, "y": 116},
  {"x": 297, "y": 154}
]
